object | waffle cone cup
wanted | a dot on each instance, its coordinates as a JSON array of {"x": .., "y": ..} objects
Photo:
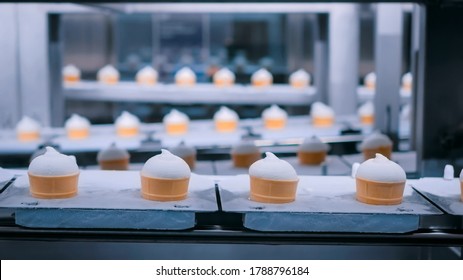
[
  {"x": 322, "y": 122},
  {"x": 110, "y": 80},
  {"x": 223, "y": 83},
  {"x": 115, "y": 164},
  {"x": 370, "y": 86},
  {"x": 379, "y": 193},
  {"x": 69, "y": 79},
  {"x": 299, "y": 84},
  {"x": 371, "y": 153},
  {"x": 311, "y": 158},
  {"x": 407, "y": 87},
  {"x": 52, "y": 187},
  {"x": 261, "y": 83},
  {"x": 190, "y": 160},
  {"x": 245, "y": 160},
  {"x": 275, "y": 123},
  {"x": 127, "y": 131},
  {"x": 185, "y": 82},
  {"x": 148, "y": 81},
  {"x": 78, "y": 133},
  {"x": 273, "y": 191},
  {"x": 161, "y": 189},
  {"x": 368, "y": 119},
  {"x": 28, "y": 136},
  {"x": 177, "y": 128},
  {"x": 226, "y": 126}
]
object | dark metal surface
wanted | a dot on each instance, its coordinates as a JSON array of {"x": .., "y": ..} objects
[
  {"x": 115, "y": 8},
  {"x": 214, "y": 235},
  {"x": 439, "y": 99}
]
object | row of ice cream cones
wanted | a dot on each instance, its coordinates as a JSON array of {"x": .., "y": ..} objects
[
  {"x": 185, "y": 77},
  {"x": 165, "y": 177}
]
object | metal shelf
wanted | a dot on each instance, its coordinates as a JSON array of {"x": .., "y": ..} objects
[{"x": 198, "y": 94}]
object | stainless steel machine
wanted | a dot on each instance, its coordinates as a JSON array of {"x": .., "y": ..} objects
[{"x": 337, "y": 43}]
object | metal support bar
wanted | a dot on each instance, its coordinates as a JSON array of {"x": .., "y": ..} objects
[
  {"x": 321, "y": 57},
  {"x": 388, "y": 58},
  {"x": 33, "y": 62},
  {"x": 55, "y": 52},
  {"x": 343, "y": 55},
  {"x": 9, "y": 93}
]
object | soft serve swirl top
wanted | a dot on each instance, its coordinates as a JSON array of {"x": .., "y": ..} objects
[
  {"x": 185, "y": 73},
  {"x": 147, "y": 72},
  {"x": 53, "y": 163},
  {"x": 245, "y": 147},
  {"x": 225, "y": 114},
  {"x": 27, "y": 124},
  {"x": 77, "y": 122},
  {"x": 367, "y": 109},
  {"x": 182, "y": 150},
  {"x": 127, "y": 120},
  {"x": 274, "y": 112},
  {"x": 313, "y": 144},
  {"x": 407, "y": 78},
  {"x": 224, "y": 74},
  {"x": 167, "y": 166},
  {"x": 300, "y": 75},
  {"x": 262, "y": 74},
  {"x": 321, "y": 110},
  {"x": 381, "y": 169},
  {"x": 112, "y": 153},
  {"x": 271, "y": 167},
  {"x": 375, "y": 140},
  {"x": 71, "y": 70},
  {"x": 106, "y": 71},
  {"x": 370, "y": 78},
  {"x": 176, "y": 116}
]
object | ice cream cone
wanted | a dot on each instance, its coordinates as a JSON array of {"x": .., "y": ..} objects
[
  {"x": 275, "y": 123},
  {"x": 116, "y": 164},
  {"x": 71, "y": 79},
  {"x": 261, "y": 83},
  {"x": 78, "y": 133},
  {"x": 311, "y": 158},
  {"x": 127, "y": 131},
  {"x": 177, "y": 128},
  {"x": 226, "y": 126},
  {"x": 369, "y": 119},
  {"x": 190, "y": 160},
  {"x": 245, "y": 160},
  {"x": 164, "y": 189},
  {"x": 379, "y": 193},
  {"x": 371, "y": 153},
  {"x": 323, "y": 122},
  {"x": 28, "y": 136},
  {"x": 273, "y": 191},
  {"x": 52, "y": 187}
]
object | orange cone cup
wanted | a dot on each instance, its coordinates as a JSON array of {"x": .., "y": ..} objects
[{"x": 272, "y": 191}]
